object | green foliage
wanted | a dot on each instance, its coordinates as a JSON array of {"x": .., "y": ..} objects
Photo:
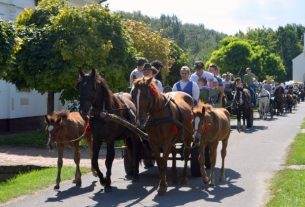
[
  {"x": 180, "y": 58},
  {"x": 286, "y": 42},
  {"x": 197, "y": 40},
  {"x": 7, "y": 41},
  {"x": 149, "y": 44},
  {"x": 237, "y": 53},
  {"x": 31, "y": 139},
  {"x": 65, "y": 39}
]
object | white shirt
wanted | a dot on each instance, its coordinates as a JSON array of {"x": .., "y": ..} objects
[
  {"x": 207, "y": 75},
  {"x": 135, "y": 73},
  {"x": 195, "y": 89},
  {"x": 159, "y": 85}
]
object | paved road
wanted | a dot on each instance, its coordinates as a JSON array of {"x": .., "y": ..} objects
[{"x": 253, "y": 156}]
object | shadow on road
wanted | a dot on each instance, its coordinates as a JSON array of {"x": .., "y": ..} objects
[{"x": 143, "y": 192}]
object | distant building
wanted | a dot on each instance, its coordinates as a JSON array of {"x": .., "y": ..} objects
[
  {"x": 298, "y": 66},
  {"x": 23, "y": 110}
]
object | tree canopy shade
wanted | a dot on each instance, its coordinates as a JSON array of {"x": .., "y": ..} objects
[
  {"x": 7, "y": 41},
  {"x": 66, "y": 39},
  {"x": 236, "y": 54}
]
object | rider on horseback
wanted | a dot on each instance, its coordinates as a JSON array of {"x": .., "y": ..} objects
[{"x": 249, "y": 79}]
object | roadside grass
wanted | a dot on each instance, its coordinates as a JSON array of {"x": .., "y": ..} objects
[
  {"x": 287, "y": 185},
  {"x": 296, "y": 155},
  {"x": 36, "y": 139},
  {"x": 28, "y": 183}
]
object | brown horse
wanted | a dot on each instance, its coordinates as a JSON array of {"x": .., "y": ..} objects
[
  {"x": 212, "y": 125},
  {"x": 168, "y": 120},
  {"x": 66, "y": 129},
  {"x": 96, "y": 98}
]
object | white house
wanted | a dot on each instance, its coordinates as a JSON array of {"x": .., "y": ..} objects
[
  {"x": 22, "y": 110},
  {"x": 298, "y": 66}
]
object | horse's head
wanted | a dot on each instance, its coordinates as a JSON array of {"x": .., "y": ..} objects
[
  {"x": 201, "y": 120},
  {"x": 53, "y": 127},
  {"x": 87, "y": 87},
  {"x": 143, "y": 95}
]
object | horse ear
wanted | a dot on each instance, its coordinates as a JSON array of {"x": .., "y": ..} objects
[{"x": 46, "y": 119}]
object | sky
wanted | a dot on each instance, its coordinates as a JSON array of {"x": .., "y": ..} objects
[{"x": 227, "y": 16}]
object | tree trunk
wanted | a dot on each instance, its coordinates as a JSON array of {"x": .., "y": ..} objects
[{"x": 50, "y": 102}]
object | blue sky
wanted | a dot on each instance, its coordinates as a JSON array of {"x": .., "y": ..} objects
[{"x": 228, "y": 16}]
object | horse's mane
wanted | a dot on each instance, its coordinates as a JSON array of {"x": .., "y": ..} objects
[
  {"x": 144, "y": 81},
  {"x": 112, "y": 101}
]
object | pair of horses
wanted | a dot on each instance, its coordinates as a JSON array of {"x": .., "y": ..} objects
[{"x": 167, "y": 118}]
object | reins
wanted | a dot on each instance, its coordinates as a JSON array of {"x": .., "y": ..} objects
[{"x": 73, "y": 140}]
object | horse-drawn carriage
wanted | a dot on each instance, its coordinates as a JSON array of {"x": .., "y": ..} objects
[{"x": 113, "y": 116}]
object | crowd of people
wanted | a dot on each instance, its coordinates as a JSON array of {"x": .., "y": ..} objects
[{"x": 204, "y": 84}]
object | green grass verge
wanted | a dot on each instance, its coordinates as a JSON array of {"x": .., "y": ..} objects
[
  {"x": 287, "y": 186},
  {"x": 296, "y": 155},
  {"x": 36, "y": 139},
  {"x": 27, "y": 183},
  {"x": 288, "y": 189},
  {"x": 28, "y": 139}
]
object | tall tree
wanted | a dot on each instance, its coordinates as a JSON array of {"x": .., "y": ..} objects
[
  {"x": 66, "y": 39},
  {"x": 7, "y": 42}
]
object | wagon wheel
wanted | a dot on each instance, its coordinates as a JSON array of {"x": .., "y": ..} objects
[
  {"x": 127, "y": 164},
  {"x": 195, "y": 167}
]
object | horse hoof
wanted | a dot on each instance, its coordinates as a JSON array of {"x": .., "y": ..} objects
[
  {"x": 107, "y": 189},
  {"x": 103, "y": 181},
  {"x": 56, "y": 187},
  {"x": 162, "y": 190}
]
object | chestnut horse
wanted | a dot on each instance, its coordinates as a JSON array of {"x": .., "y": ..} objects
[
  {"x": 167, "y": 119},
  {"x": 66, "y": 129},
  {"x": 212, "y": 125},
  {"x": 96, "y": 97}
]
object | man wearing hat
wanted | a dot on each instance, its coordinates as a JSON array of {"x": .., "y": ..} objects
[
  {"x": 138, "y": 71},
  {"x": 151, "y": 71}
]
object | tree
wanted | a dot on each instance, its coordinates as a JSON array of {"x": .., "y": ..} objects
[
  {"x": 7, "y": 42},
  {"x": 149, "y": 44},
  {"x": 65, "y": 39},
  {"x": 237, "y": 53}
]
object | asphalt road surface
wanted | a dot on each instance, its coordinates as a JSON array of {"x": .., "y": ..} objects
[{"x": 253, "y": 157}]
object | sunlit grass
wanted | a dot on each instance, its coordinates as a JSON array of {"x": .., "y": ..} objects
[{"x": 28, "y": 183}]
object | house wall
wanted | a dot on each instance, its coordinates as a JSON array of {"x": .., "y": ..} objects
[{"x": 298, "y": 68}]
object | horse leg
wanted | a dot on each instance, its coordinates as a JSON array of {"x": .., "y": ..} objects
[
  {"x": 136, "y": 156},
  {"x": 201, "y": 159},
  {"x": 77, "y": 180},
  {"x": 60, "y": 152},
  {"x": 223, "y": 156},
  {"x": 162, "y": 188},
  {"x": 94, "y": 160},
  {"x": 163, "y": 168},
  {"x": 174, "y": 166},
  {"x": 238, "y": 121},
  {"x": 108, "y": 162},
  {"x": 186, "y": 154},
  {"x": 88, "y": 138},
  {"x": 213, "y": 156}
]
